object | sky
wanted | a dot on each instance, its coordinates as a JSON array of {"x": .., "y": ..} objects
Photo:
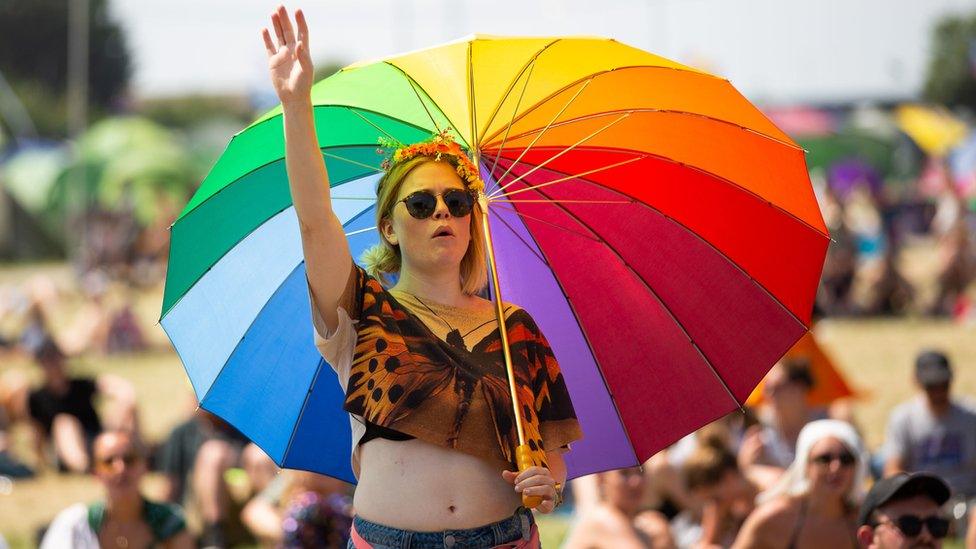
[{"x": 776, "y": 51}]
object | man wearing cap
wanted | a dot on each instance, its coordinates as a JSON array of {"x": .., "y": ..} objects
[
  {"x": 904, "y": 511},
  {"x": 934, "y": 432}
]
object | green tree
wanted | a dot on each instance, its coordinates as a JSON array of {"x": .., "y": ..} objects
[
  {"x": 34, "y": 59},
  {"x": 951, "y": 78}
]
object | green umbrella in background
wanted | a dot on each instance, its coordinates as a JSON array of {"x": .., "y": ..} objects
[
  {"x": 29, "y": 175},
  {"x": 129, "y": 162},
  {"x": 826, "y": 150}
]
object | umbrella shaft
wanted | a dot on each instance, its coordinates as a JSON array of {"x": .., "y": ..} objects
[{"x": 500, "y": 315}]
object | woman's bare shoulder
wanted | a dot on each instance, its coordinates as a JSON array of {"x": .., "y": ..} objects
[{"x": 776, "y": 515}]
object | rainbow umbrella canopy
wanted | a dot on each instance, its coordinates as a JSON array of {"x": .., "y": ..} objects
[{"x": 662, "y": 232}]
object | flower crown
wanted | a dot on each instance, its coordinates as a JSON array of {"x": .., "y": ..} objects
[{"x": 439, "y": 144}]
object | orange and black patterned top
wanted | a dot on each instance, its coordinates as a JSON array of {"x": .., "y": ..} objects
[{"x": 451, "y": 389}]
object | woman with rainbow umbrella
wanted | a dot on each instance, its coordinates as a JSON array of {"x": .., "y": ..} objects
[{"x": 662, "y": 232}]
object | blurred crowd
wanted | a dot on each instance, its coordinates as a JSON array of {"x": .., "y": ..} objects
[
  {"x": 781, "y": 473},
  {"x": 871, "y": 226}
]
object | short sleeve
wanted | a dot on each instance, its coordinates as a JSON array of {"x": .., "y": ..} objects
[{"x": 337, "y": 348}]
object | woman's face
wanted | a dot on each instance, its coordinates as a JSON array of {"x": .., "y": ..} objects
[
  {"x": 830, "y": 467},
  {"x": 439, "y": 241},
  {"x": 623, "y": 488}
]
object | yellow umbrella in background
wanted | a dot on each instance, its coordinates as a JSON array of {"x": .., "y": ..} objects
[
  {"x": 828, "y": 380},
  {"x": 934, "y": 129}
]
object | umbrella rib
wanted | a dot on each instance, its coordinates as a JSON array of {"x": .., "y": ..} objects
[
  {"x": 512, "y": 121},
  {"x": 472, "y": 112},
  {"x": 544, "y": 130},
  {"x": 337, "y": 157},
  {"x": 360, "y": 231},
  {"x": 413, "y": 86},
  {"x": 371, "y": 123},
  {"x": 568, "y": 177},
  {"x": 557, "y": 155},
  {"x": 530, "y": 65},
  {"x": 657, "y": 297},
  {"x": 301, "y": 413},
  {"x": 551, "y": 224},
  {"x": 517, "y": 235}
]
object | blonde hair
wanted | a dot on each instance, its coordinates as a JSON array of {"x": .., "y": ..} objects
[{"x": 384, "y": 258}]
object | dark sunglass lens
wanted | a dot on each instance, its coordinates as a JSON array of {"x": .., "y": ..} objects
[
  {"x": 458, "y": 202},
  {"x": 910, "y": 525},
  {"x": 938, "y": 526},
  {"x": 421, "y": 205}
]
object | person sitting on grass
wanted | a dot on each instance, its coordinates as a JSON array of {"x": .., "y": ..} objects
[
  {"x": 124, "y": 518},
  {"x": 63, "y": 410},
  {"x": 617, "y": 521}
]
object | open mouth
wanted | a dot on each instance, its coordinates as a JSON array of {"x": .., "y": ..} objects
[{"x": 443, "y": 232}]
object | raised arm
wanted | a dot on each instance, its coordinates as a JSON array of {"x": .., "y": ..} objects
[{"x": 328, "y": 261}]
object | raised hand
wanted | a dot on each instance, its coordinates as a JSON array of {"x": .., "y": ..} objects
[{"x": 289, "y": 62}]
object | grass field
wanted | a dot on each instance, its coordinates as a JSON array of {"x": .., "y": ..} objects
[{"x": 875, "y": 355}]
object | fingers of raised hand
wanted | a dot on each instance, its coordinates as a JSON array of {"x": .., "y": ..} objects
[
  {"x": 268, "y": 44},
  {"x": 288, "y": 32},
  {"x": 279, "y": 32},
  {"x": 302, "y": 27}
]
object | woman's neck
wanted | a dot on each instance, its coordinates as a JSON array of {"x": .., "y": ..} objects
[
  {"x": 441, "y": 287},
  {"x": 124, "y": 507},
  {"x": 828, "y": 505}
]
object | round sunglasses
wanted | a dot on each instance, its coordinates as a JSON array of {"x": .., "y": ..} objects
[
  {"x": 421, "y": 204},
  {"x": 911, "y": 525},
  {"x": 845, "y": 459}
]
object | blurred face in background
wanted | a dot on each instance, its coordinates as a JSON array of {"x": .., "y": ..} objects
[
  {"x": 830, "y": 468},
  {"x": 623, "y": 488},
  {"x": 782, "y": 392},
  {"x": 118, "y": 463},
  {"x": 937, "y": 394},
  {"x": 887, "y": 534}
]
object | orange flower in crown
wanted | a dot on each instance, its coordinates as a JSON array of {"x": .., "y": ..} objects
[{"x": 438, "y": 145}]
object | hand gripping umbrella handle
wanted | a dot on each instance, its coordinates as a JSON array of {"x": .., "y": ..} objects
[{"x": 524, "y": 460}]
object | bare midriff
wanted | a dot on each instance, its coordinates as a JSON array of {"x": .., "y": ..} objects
[{"x": 415, "y": 485}]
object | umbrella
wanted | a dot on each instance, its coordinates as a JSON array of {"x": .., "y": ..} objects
[
  {"x": 662, "y": 232},
  {"x": 934, "y": 129},
  {"x": 847, "y": 175},
  {"x": 826, "y": 150}
]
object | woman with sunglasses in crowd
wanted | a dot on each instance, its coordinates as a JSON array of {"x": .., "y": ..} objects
[
  {"x": 420, "y": 361},
  {"x": 814, "y": 503}
]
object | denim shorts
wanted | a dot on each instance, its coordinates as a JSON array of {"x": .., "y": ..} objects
[{"x": 513, "y": 528}]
